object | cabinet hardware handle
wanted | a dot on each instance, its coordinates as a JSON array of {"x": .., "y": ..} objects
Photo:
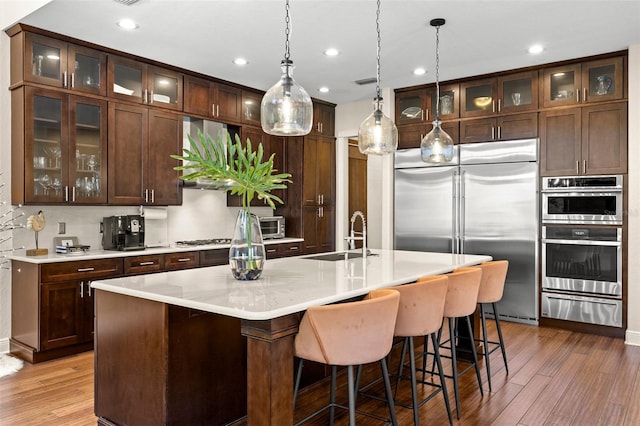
[
  {"x": 64, "y": 79},
  {"x": 493, "y": 132},
  {"x": 578, "y": 95},
  {"x": 422, "y": 115},
  {"x": 427, "y": 111},
  {"x": 146, "y": 263},
  {"x": 584, "y": 166},
  {"x": 499, "y": 105},
  {"x": 82, "y": 289},
  {"x": 89, "y": 288},
  {"x": 493, "y": 106},
  {"x": 73, "y": 194},
  {"x": 66, "y": 193},
  {"x": 144, "y": 97},
  {"x": 153, "y": 196},
  {"x": 151, "y": 96},
  {"x": 213, "y": 110},
  {"x": 321, "y": 211},
  {"x": 146, "y": 195},
  {"x": 184, "y": 259},
  {"x": 73, "y": 80},
  {"x": 584, "y": 94},
  {"x": 294, "y": 248},
  {"x": 217, "y": 110},
  {"x": 499, "y": 131},
  {"x": 578, "y": 167},
  {"x": 89, "y": 269},
  {"x": 271, "y": 250}
]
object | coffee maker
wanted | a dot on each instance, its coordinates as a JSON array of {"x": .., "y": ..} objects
[{"x": 123, "y": 233}]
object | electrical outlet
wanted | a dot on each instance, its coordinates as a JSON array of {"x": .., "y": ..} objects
[{"x": 62, "y": 227}]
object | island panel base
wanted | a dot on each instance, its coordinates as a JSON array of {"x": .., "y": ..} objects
[{"x": 162, "y": 364}]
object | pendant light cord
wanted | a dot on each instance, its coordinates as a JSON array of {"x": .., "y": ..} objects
[
  {"x": 438, "y": 72},
  {"x": 378, "y": 52},
  {"x": 287, "y": 31}
]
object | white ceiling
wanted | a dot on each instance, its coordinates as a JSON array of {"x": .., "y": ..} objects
[{"x": 479, "y": 36}]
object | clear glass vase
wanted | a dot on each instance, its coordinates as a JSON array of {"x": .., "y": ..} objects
[{"x": 247, "y": 255}]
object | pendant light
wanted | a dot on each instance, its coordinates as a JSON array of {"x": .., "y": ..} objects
[
  {"x": 437, "y": 145},
  {"x": 377, "y": 134},
  {"x": 286, "y": 108}
]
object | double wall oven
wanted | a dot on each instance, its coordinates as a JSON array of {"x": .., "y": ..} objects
[{"x": 582, "y": 249}]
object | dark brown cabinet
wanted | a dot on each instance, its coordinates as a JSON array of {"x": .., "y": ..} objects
[
  {"x": 589, "y": 140},
  {"x": 181, "y": 260},
  {"x": 44, "y": 60},
  {"x": 410, "y": 136},
  {"x": 593, "y": 81},
  {"x": 136, "y": 81},
  {"x": 251, "y": 107},
  {"x": 205, "y": 98},
  {"x": 323, "y": 119},
  {"x": 507, "y": 94},
  {"x": 141, "y": 141},
  {"x": 52, "y": 306},
  {"x": 59, "y": 147},
  {"x": 419, "y": 105},
  {"x": 505, "y": 127}
]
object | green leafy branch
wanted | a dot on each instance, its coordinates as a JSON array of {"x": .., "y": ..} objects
[{"x": 232, "y": 167}]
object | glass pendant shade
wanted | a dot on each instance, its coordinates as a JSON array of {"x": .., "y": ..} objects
[
  {"x": 437, "y": 145},
  {"x": 286, "y": 108},
  {"x": 377, "y": 134}
]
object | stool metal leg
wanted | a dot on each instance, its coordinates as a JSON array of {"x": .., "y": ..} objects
[
  {"x": 454, "y": 366},
  {"x": 443, "y": 383},
  {"x": 387, "y": 386},
  {"x": 475, "y": 356},
  {"x": 414, "y": 387},
  {"x": 332, "y": 398},
  {"x": 485, "y": 341},
  {"x": 297, "y": 386},
  {"x": 504, "y": 351},
  {"x": 352, "y": 397}
]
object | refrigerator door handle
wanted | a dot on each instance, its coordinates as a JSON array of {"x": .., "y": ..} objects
[
  {"x": 462, "y": 210},
  {"x": 454, "y": 212}
]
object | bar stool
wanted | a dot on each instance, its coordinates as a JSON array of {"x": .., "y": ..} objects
[
  {"x": 348, "y": 334},
  {"x": 420, "y": 314},
  {"x": 494, "y": 275},
  {"x": 462, "y": 296}
]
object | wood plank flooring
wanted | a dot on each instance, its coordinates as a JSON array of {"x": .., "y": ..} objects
[{"x": 556, "y": 377}]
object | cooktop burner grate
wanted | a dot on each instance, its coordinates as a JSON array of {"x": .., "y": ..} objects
[{"x": 205, "y": 242}]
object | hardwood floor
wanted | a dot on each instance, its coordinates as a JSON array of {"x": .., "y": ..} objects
[{"x": 556, "y": 377}]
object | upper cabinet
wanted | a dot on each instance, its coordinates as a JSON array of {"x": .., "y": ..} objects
[
  {"x": 251, "y": 106},
  {"x": 323, "y": 119},
  {"x": 136, "y": 81},
  {"x": 419, "y": 106},
  {"x": 59, "y": 148},
  {"x": 594, "y": 81},
  {"x": 507, "y": 94},
  {"x": 205, "y": 98},
  {"x": 59, "y": 64}
]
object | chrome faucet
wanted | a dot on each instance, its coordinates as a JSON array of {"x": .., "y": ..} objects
[{"x": 351, "y": 239}]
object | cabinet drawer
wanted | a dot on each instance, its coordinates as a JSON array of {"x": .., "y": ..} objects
[
  {"x": 214, "y": 257},
  {"x": 182, "y": 260},
  {"x": 81, "y": 270},
  {"x": 272, "y": 251},
  {"x": 289, "y": 249},
  {"x": 143, "y": 264}
]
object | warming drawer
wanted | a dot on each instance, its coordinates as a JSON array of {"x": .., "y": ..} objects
[{"x": 591, "y": 310}]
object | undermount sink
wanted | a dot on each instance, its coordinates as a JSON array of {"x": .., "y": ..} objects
[{"x": 333, "y": 257}]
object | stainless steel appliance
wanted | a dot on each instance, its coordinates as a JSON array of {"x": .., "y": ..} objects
[
  {"x": 582, "y": 273},
  {"x": 582, "y": 200},
  {"x": 123, "y": 233},
  {"x": 483, "y": 203},
  {"x": 204, "y": 242},
  {"x": 272, "y": 227}
]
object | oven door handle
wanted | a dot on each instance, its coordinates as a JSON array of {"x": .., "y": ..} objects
[{"x": 584, "y": 242}]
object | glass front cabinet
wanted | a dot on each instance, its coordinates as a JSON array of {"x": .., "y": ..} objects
[
  {"x": 59, "y": 64},
  {"x": 64, "y": 148},
  {"x": 594, "y": 81},
  {"x": 135, "y": 81},
  {"x": 419, "y": 106},
  {"x": 503, "y": 95}
]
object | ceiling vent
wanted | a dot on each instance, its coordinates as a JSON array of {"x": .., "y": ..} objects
[
  {"x": 366, "y": 81},
  {"x": 127, "y": 2}
]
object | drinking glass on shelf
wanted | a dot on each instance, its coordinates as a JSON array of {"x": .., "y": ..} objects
[{"x": 516, "y": 98}]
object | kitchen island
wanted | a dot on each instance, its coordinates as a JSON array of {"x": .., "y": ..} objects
[{"x": 199, "y": 347}]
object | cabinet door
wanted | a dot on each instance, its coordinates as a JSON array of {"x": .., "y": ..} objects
[
  {"x": 325, "y": 170},
  {"x": 87, "y": 70},
  {"x": 251, "y": 108},
  {"x": 325, "y": 238},
  {"x": 165, "y": 139},
  {"x": 214, "y": 257},
  {"x": 145, "y": 264},
  {"x": 277, "y": 146},
  {"x": 310, "y": 171},
  {"x": 196, "y": 97},
  {"x": 604, "y": 139},
  {"x": 323, "y": 119},
  {"x": 61, "y": 314},
  {"x": 45, "y": 60},
  {"x": 227, "y": 103},
  {"x": 449, "y": 107},
  {"x": 89, "y": 312},
  {"x": 517, "y": 126},
  {"x": 46, "y": 143},
  {"x": 411, "y": 136},
  {"x": 518, "y": 92},
  {"x": 412, "y": 107},
  {"x": 602, "y": 80},
  {"x": 128, "y": 136},
  {"x": 478, "y": 98},
  {"x": 561, "y": 85},
  {"x": 560, "y": 142},
  {"x": 181, "y": 260},
  {"x": 126, "y": 79},
  {"x": 478, "y": 130},
  {"x": 87, "y": 157},
  {"x": 164, "y": 88},
  {"x": 310, "y": 216}
]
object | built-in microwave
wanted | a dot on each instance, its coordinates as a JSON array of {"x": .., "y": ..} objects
[
  {"x": 272, "y": 227},
  {"x": 582, "y": 200}
]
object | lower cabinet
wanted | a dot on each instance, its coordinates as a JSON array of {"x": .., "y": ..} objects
[
  {"x": 318, "y": 230},
  {"x": 275, "y": 251}
]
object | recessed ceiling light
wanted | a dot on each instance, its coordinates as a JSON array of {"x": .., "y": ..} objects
[
  {"x": 332, "y": 52},
  {"x": 323, "y": 90},
  {"x": 240, "y": 61},
  {"x": 536, "y": 49},
  {"x": 419, "y": 71},
  {"x": 127, "y": 24}
]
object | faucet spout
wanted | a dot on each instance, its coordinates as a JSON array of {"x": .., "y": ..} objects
[{"x": 352, "y": 237}]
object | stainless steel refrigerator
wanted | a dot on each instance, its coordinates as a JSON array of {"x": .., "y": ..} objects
[{"x": 484, "y": 202}]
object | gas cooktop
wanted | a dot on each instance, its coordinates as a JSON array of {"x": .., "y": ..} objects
[{"x": 205, "y": 242}]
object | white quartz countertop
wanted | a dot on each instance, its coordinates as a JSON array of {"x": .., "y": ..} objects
[
  {"x": 104, "y": 254},
  {"x": 287, "y": 285}
]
